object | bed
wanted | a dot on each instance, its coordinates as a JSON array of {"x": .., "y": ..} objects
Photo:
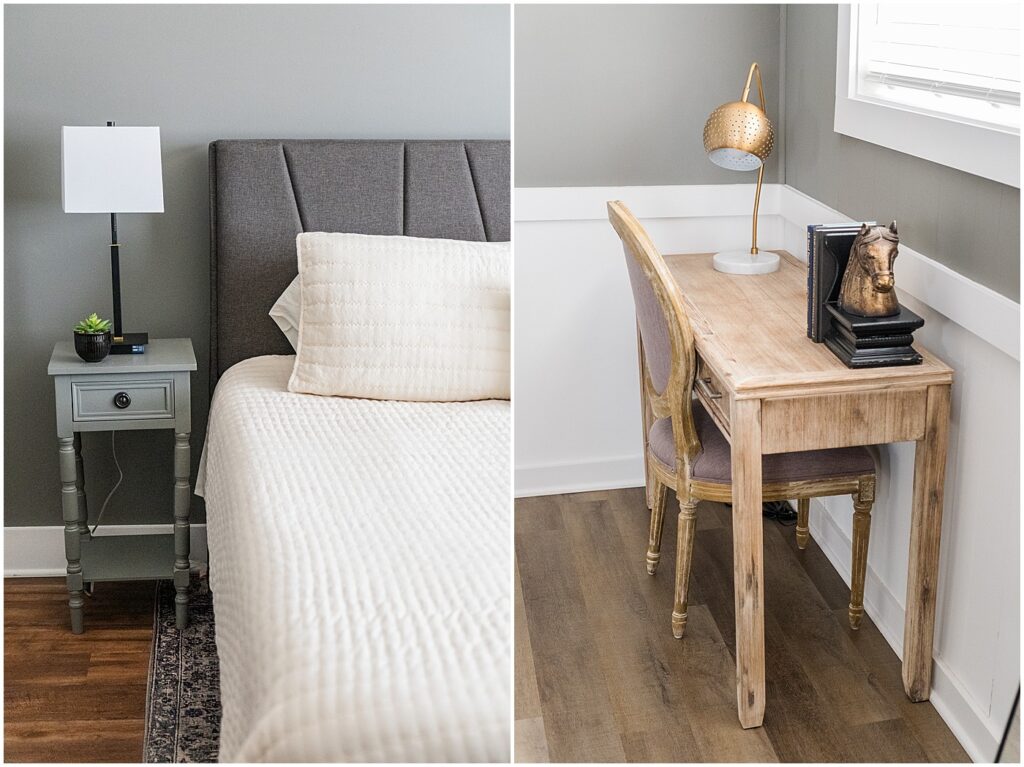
[{"x": 359, "y": 549}]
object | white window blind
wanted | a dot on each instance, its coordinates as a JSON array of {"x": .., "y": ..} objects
[{"x": 960, "y": 61}]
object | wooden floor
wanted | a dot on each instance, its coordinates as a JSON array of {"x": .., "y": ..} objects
[
  {"x": 600, "y": 678},
  {"x": 74, "y": 698}
]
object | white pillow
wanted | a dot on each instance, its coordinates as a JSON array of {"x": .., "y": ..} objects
[
  {"x": 285, "y": 312},
  {"x": 403, "y": 318}
]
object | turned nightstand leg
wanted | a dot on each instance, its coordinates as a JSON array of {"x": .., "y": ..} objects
[
  {"x": 182, "y": 502},
  {"x": 83, "y": 505},
  {"x": 72, "y": 536}
]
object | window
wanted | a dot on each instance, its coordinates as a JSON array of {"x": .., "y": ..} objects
[
  {"x": 940, "y": 82},
  {"x": 957, "y": 61}
]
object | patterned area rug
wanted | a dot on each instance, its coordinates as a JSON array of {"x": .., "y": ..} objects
[{"x": 183, "y": 698}]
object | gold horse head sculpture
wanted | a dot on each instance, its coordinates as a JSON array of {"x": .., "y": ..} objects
[{"x": 869, "y": 288}]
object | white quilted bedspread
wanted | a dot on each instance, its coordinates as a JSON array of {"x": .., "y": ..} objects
[{"x": 360, "y": 564}]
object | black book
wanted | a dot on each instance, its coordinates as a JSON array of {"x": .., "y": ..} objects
[
  {"x": 812, "y": 310},
  {"x": 871, "y": 358},
  {"x": 859, "y": 327},
  {"x": 828, "y": 254},
  {"x": 879, "y": 341}
]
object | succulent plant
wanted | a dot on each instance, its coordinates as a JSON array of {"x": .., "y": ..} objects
[{"x": 92, "y": 324}]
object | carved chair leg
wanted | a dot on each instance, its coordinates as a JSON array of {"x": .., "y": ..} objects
[
  {"x": 803, "y": 509},
  {"x": 684, "y": 558},
  {"x": 658, "y": 496},
  {"x": 863, "y": 500}
]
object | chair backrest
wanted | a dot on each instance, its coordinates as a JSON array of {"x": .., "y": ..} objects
[{"x": 665, "y": 333}]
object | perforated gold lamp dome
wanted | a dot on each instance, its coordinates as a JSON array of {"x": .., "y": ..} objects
[{"x": 739, "y": 136}]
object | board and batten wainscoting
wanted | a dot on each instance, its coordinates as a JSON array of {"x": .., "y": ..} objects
[{"x": 578, "y": 427}]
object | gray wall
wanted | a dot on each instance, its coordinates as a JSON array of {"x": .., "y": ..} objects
[
  {"x": 200, "y": 73},
  {"x": 965, "y": 222},
  {"x": 618, "y": 94}
]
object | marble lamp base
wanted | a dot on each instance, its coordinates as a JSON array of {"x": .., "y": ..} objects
[{"x": 744, "y": 262}]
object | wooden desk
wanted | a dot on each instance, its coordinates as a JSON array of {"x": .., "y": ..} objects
[{"x": 781, "y": 392}]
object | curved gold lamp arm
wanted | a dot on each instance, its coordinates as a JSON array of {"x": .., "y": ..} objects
[
  {"x": 756, "y": 69},
  {"x": 757, "y": 203}
]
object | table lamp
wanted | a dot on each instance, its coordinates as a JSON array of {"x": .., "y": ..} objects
[
  {"x": 739, "y": 136},
  {"x": 113, "y": 170}
]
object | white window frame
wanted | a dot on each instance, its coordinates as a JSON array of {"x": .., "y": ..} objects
[{"x": 984, "y": 151}]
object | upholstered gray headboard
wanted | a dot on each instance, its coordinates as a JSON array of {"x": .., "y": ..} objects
[{"x": 265, "y": 192}]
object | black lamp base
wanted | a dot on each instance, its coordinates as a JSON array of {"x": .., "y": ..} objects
[
  {"x": 130, "y": 343},
  {"x": 125, "y": 343}
]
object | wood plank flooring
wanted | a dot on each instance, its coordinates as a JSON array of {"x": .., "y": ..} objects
[
  {"x": 74, "y": 698},
  {"x": 600, "y": 678}
]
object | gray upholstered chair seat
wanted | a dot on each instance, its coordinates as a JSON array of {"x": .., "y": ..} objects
[{"x": 713, "y": 463}]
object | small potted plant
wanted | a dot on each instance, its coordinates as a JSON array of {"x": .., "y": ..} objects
[{"x": 92, "y": 338}]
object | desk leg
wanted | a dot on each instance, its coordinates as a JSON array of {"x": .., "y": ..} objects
[
  {"x": 182, "y": 502},
  {"x": 748, "y": 561},
  {"x": 925, "y": 529},
  {"x": 72, "y": 536}
]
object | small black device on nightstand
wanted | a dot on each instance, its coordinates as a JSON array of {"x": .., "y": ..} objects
[{"x": 130, "y": 343}]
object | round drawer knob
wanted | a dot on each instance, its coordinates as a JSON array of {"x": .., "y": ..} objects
[{"x": 122, "y": 400}]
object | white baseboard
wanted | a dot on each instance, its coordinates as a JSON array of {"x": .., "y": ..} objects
[
  {"x": 38, "y": 552},
  {"x": 581, "y": 477},
  {"x": 887, "y": 612}
]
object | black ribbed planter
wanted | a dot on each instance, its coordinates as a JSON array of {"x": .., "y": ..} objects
[{"x": 92, "y": 347}]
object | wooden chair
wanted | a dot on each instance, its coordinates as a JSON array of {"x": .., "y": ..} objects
[{"x": 683, "y": 447}]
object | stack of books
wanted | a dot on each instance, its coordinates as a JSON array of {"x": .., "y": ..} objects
[
  {"x": 860, "y": 342},
  {"x": 871, "y": 342}
]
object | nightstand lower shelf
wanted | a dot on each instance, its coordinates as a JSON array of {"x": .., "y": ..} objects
[{"x": 128, "y": 557}]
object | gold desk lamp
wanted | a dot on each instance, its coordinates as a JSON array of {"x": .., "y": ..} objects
[{"x": 739, "y": 136}]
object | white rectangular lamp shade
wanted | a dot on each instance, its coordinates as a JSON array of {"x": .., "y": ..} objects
[{"x": 111, "y": 170}]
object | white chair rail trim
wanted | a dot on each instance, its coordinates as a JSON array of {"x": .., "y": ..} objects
[{"x": 990, "y": 316}]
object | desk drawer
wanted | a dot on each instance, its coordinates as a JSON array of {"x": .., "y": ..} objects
[
  {"x": 122, "y": 400},
  {"x": 845, "y": 419},
  {"x": 712, "y": 394}
]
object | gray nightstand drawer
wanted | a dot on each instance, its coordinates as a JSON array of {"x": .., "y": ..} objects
[{"x": 122, "y": 400}]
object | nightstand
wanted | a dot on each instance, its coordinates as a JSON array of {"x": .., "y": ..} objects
[{"x": 131, "y": 391}]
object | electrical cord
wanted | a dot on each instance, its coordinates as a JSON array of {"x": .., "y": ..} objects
[
  {"x": 780, "y": 511},
  {"x": 120, "y": 477}
]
